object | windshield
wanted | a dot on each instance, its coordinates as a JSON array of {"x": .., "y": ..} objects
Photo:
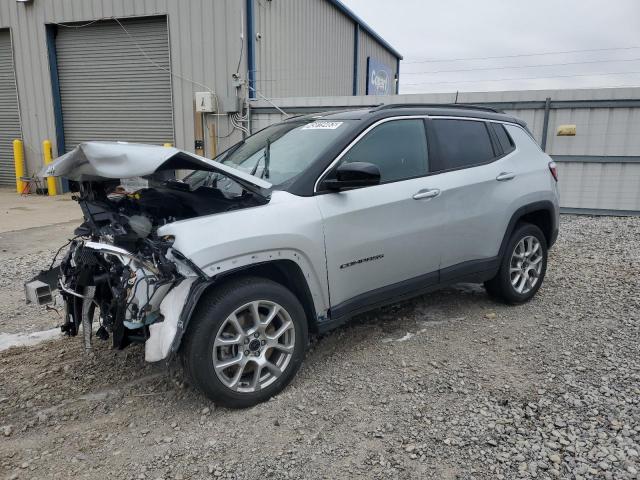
[{"x": 278, "y": 153}]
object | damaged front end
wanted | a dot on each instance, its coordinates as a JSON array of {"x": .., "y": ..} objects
[
  {"x": 126, "y": 289},
  {"x": 119, "y": 278}
]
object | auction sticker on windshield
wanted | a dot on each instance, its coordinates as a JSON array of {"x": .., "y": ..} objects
[{"x": 322, "y": 126}]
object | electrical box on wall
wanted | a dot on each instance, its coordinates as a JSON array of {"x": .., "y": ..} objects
[
  {"x": 229, "y": 104},
  {"x": 205, "y": 102}
]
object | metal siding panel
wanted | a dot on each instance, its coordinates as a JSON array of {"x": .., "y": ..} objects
[
  {"x": 362, "y": 24},
  {"x": 599, "y": 131},
  {"x": 31, "y": 70},
  {"x": 9, "y": 113},
  {"x": 612, "y": 186},
  {"x": 262, "y": 120},
  {"x": 303, "y": 49}
]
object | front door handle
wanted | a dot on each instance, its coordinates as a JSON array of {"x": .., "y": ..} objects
[
  {"x": 434, "y": 192},
  {"x": 506, "y": 176}
]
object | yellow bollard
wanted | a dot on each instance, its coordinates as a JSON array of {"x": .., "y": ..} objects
[
  {"x": 18, "y": 158},
  {"x": 52, "y": 186},
  {"x": 167, "y": 145}
]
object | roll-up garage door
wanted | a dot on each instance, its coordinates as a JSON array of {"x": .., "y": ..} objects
[
  {"x": 9, "y": 114},
  {"x": 115, "y": 84}
]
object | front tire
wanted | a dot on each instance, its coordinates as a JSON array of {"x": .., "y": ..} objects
[
  {"x": 246, "y": 342},
  {"x": 522, "y": 268}
]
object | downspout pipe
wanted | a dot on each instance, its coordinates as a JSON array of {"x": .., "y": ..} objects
[{"x": 251, "y": 48}]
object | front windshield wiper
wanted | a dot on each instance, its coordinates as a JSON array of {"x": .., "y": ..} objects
[{"x": 267, "y": 157}]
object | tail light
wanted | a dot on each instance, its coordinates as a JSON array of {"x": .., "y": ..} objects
[{"x": 553, "y": 168}]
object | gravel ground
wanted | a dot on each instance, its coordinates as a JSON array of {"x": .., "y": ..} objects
[
  {"x": 23, "y": 253},
  {"x": 448, "y": 386}
]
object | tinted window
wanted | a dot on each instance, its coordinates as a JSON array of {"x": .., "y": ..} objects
[
  {"x": 398, "y": 148},
  {"x": 503, "y": 137},
  {"x": 462, "y": 143}
]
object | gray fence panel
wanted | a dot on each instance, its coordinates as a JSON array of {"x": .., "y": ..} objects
[{"x": 600, "y": 186}]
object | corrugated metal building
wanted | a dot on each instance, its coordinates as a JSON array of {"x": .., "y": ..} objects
[
  {"x": 300, "y": 50},
  {"x": 78, "y": 70},
  {"x": 599, "y": 167}
]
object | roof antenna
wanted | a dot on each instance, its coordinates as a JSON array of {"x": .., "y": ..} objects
[{"x": 456, "y": 100}]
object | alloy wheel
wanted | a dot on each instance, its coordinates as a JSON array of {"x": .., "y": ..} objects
[
  {"x": 254, "y": 346},
  {"x": 526, "y": 264}
]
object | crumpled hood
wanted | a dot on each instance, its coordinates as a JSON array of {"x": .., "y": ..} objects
[{"x": 96, "y": 161}]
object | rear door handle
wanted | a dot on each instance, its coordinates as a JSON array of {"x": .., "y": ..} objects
[
  {"x": 506, "y": 176},
  {"x": 434, "y": 192}
]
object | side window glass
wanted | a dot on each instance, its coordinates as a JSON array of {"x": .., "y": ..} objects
[
  {"x": 462, "y": 143},
  {"x": 503, "y": 137},
  {"x": 398, "y": 148}
]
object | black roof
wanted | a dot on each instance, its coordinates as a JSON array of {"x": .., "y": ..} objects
[{"x": 391, "y": 110}]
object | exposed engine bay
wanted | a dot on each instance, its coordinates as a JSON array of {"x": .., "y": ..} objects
[{"x": 117, "y": 270}]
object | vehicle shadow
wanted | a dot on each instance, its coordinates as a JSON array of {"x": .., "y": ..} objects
[{"x": 446, "y": 304}]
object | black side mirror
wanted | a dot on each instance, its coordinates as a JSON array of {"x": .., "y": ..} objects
[{"x": 352, "y": 175}]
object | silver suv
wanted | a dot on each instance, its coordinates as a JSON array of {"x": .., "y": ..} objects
[{"x": 296, "y": 229}]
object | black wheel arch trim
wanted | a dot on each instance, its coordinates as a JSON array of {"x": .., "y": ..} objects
[
  {"x": 198, "y": 287},
  {"x": 201, "y": 285},
  {"x": 545, "y": 205}
]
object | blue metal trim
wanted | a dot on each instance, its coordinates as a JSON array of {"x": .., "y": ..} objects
[
  {"x": 251, "y": 48},
  {"x": 51, "y": 31},
  {"x": 367, "y": 82},
  {"x": 349, "y": 13},
  {"x": 356, "y": 56}
]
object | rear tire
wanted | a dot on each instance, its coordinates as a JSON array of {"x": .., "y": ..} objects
[
  {"x": 246, "y": 342},
  {"x": 522, "y": 268}
]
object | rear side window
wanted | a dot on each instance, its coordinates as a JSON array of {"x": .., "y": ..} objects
[
  {"x": 461, "y": 143},
  {"x": 503, "y": 137},
  {"x": 397, "y": 147}
]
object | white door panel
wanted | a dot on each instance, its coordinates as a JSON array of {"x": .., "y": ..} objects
[
  {"x": 480, "y": 200},
  {"x": 380, "y": 235},
  {"x": 474, "y": 201}
]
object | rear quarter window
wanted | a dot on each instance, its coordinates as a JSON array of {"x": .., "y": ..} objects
[{"x": 503, "y": 137}]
